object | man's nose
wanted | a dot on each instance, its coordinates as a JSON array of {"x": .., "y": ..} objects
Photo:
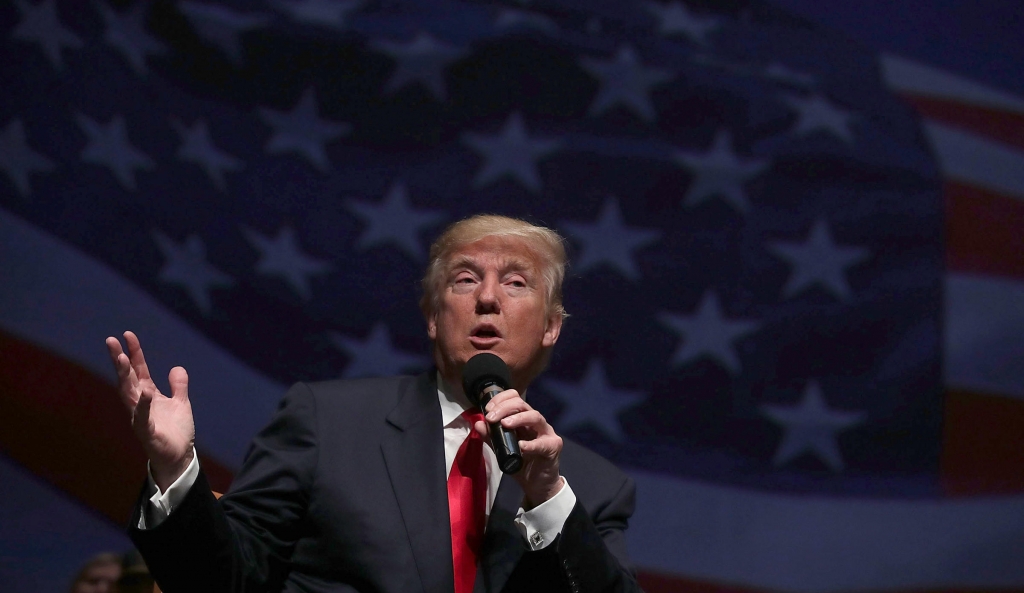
[{"x": 488, "y": 296}]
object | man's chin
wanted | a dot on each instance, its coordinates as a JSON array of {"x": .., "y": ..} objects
[{"x": 521, "y": 374}]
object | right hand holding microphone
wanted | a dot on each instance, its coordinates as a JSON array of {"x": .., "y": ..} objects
[
  {"x": 520, "y": 436},
  {"x": 163, "y": 424}
]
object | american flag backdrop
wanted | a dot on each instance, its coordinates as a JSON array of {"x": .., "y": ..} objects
[{"x": 796, "y": 289}]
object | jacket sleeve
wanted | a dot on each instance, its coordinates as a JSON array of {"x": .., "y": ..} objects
[
  {"x": 243, "y": 541},
  {"x": 592, "y": 550},
  {"x": 589, "y": 554}
]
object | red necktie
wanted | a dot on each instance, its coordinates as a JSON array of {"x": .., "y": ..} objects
[{"x": 467, "y": 493}]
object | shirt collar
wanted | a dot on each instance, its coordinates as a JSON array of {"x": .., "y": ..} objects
[{"x": 452, "y": 403}]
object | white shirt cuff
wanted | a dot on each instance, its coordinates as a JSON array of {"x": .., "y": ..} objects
[
  {"x": 540, "y": 525},
  {"x": 162, "y": 503}
]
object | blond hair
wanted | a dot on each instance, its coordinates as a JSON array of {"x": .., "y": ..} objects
[{"x": 548, "y": 245}]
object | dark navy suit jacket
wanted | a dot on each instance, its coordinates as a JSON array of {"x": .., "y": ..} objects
[{"x": 345, "y": 490}]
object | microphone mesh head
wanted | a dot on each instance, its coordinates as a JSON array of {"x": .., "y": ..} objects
[{"x": 481, "y": 370}]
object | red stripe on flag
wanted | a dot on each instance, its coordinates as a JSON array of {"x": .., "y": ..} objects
[
  {"x": 70, "y": 429},
  {"x": 997, "y": 124},
  {"x": 985, "y": 231},
  {"x": 653, "y": 582},
  {"x": 983, "y": 444}
]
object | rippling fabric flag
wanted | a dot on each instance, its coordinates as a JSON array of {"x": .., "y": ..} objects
[{"x": 795, "y": 289}]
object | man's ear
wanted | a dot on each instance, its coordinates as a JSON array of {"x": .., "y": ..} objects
[
  {"x": 432, "y": 325},
  {"x": 552, "y": 331}
]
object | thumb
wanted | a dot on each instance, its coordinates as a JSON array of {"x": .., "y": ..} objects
[
  {"x": 482, "y": 429},
  {"x": 178, "y": 378}
]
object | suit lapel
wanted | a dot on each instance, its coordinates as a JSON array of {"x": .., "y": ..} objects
[
  {"x": 503, "y": 545},
  {"x": 414, "y": 455}
]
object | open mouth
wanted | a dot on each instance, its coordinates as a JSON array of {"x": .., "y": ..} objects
[{"x": 485, "y": 332}]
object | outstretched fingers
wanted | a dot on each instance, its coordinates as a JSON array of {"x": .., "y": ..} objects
[
  {"x": 127, "y": 381},
  {"x": 137, "y": 358}
]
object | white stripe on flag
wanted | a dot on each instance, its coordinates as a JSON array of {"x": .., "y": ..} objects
[
  {"x": 974, "y": 159},
  {"x": 984, "y": 334},
  {"x": 47, "y": 535},
  {"x": 914, "y": 78},
  {"x": 815, "y": 544},
  {"x": 57, "y": 297}
]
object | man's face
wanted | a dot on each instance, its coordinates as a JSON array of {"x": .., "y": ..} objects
[
  {"x": 493, "y": 301},
  {"x": 98, "y": 578}
]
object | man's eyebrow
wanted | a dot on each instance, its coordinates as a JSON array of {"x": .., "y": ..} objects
[
  {"x": 511, "y": 264},
  {"x": 515, "y": 264},
  {"x": 462, "y": 261}
]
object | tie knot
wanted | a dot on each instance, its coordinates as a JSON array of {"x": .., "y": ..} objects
[{"x": 473, "y": 416}]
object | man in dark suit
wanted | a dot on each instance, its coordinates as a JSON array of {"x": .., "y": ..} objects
[{"x": 385, "y": 484}]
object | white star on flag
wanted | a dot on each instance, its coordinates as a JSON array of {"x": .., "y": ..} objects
[
  {"x": 323, "y": 13},
  {"x": 423, "y": 59},
  {"x": 197, "y": 147},
  {"x": 510, "y": 18},
  {"x": 707, "y": 333},
  {"x": 783, "y": 73},
  {"x": 40, "y": 24},
  {"x": 818, "y": 261},
  {"x": 222, "y": 26},
  {"x": 127, "y": 34},
  {"x": 719, "y": 172},
  {"x": 811, "y": 427},
  {"x": 674, "y": 18},
  {"x": 185, "y": 266},
  {"x": 816, "y": 113},
  {"x": 18, "y": 160},
  {"x": 394, "y": 220},
  {"x": 109, "y": 147},
  {"x": 626, "y": 81},
  {"x": 282, "y": 257},
  {"x": 375, "y": 356},
  {"x": 592, "y": 401},
  {"x": 511, "y": 152},
  {"x": 301, "y": 130},
  {"x": 609, "y": 241}
]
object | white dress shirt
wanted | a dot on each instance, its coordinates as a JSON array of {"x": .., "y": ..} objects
[{"x": 539, "y": 526}]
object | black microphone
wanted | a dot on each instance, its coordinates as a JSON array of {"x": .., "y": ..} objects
[{"x": 485, "y": 376}]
